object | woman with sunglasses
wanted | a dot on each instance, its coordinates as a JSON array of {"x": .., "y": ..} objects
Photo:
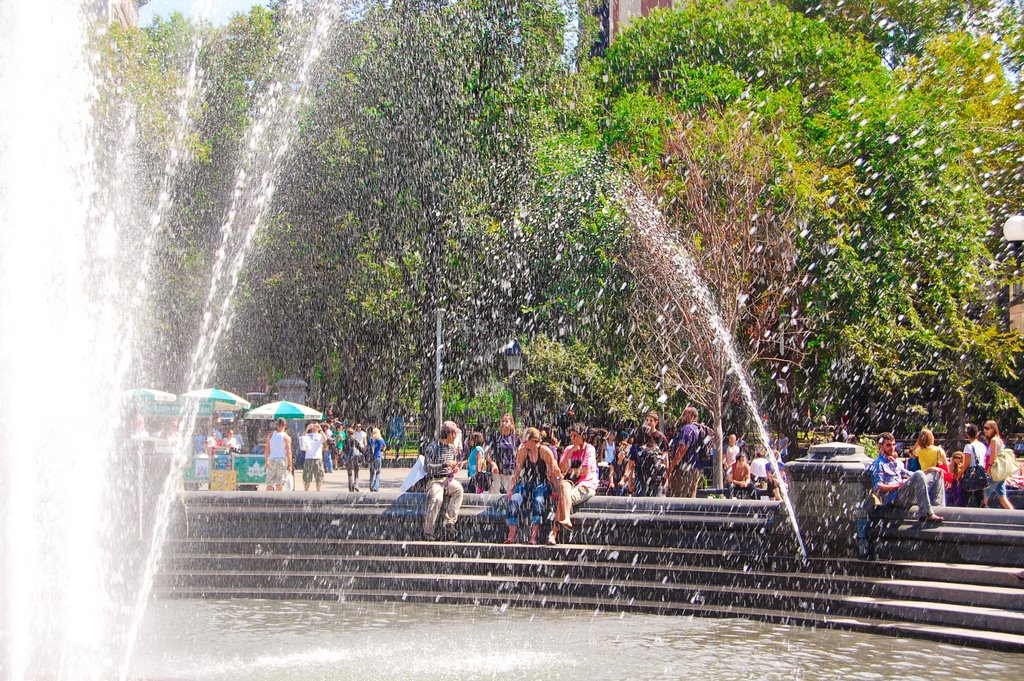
[{"x": 535, "y": 475}]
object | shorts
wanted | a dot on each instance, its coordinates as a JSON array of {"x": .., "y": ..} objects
[
  {"x": 995, "y": 489},
  {"x": 277, "y": 471},
  {"x": 313, "y": 469},
  {"x": 580, "y": 495}
]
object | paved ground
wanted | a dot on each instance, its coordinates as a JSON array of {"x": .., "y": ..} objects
[{"x": 391, "y": 478}]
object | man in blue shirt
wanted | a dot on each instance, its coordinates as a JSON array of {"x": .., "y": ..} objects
[
  {"x": 684, "y": 467},
  {"x": 899, "y": 487}
]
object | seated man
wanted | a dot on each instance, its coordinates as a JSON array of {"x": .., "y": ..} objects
[
  {"x": 441, "y": 464},
  {"x": 899, "y": 487},
  {"x": 739, "y": 480}
]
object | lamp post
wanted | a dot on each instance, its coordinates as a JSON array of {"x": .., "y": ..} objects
[
  {"x": 513, "y": 354},
  {"x": 1013, "y": 232},
  {"x": 437, "y": 374}
]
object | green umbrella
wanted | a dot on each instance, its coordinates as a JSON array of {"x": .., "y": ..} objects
[
  {"x": 148, "y": 395},
  {"x": 284, "y": 410},
  {"x": 218, "y": 399}
]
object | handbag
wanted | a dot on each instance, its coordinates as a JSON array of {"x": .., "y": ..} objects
[
  {"x": 1005, "y": 465},
  {"x": 975, "y": 479}
]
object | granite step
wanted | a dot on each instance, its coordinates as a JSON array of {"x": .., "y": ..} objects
[
  {"x": 951, "y": 634},
  {"x": 1008, "y": 598},
  {"x": 625, "y": 590}
]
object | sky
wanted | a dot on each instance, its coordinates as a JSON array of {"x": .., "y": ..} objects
[{"x": 220, "y": 12}]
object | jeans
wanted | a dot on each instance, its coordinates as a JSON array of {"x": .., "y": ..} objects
[
  {"x": 537, "y": 493},
  {"x": 375, "y": 463},
  {"x": 328, "y": 461},
  {"x": 352, "y": 465},
  {"x": 922, "y": 490},
  {"x": 437, "y": 490}
]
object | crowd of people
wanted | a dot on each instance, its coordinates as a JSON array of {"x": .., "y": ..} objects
[
  {"x": 930, "y": 479},
  {"x": 545, "y": 473},
  {"x": 545, "y": 477},
  {"x": 324, "y": 447}
]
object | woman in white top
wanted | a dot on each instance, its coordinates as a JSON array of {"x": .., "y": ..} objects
[{"x": 996, "y": 489}]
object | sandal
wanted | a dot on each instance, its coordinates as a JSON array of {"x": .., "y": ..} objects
[{"x": 552, "y": 541}]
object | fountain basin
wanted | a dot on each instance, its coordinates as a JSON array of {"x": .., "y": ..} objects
[{"x": 710, "y": 558}]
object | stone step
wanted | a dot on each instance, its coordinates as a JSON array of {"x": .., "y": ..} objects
[
  {"x": 953, "y": 635},
  {"x": 622, "y": 590},
  {"x": 979, "y": 575},
  {"x": 1007, "y": 598},
  {"x": 909, "y": 618}
]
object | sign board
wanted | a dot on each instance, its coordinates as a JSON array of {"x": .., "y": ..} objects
[
  {"x": 199, "y": 471},
  {"x": 178, "y": 408},
  {"x": 221, "y": 459},
  {"x": 223, "y": 481},
  {"x": 250, "y": 469}
]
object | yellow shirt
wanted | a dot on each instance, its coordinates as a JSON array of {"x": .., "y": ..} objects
[{"x": 929, "y": 456}]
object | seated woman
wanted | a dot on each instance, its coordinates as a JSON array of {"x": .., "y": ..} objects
[
  {"x": 955, "y": 494},
  {"x": 535, "y": 475},
  {"x": 618, "y": 481},
  {"x": 739, "y": 480},
  {"x": 578, "y": 468}
]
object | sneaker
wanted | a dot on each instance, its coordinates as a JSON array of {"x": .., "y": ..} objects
[{"x": 451, "y": 533}]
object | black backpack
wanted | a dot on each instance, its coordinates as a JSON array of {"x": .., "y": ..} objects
[
  {"x": 975, "y": 479},
  {"x": 650, "y": 469},
  {"x": 703, "y": 446}
]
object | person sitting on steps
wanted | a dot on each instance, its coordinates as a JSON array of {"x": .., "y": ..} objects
[
  {"x": 442, "y": 464},
  {"x": 900, "y": 488},
  {"x": 535, "y": 475},
  {"x": 578, "y": 468},
  {"x": 739, "y": 480}
]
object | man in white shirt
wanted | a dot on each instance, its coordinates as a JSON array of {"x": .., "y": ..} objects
[
  {"x": 759, "y": 466},
  {"x": 360, "y": 436}
]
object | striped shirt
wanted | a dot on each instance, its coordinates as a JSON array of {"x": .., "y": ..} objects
[{"x": 438, "y": 456}]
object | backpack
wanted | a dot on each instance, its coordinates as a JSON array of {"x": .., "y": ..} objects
[
  {"x": 1005, "y": 465},
  {"x": 703, "y": 447},
  {"x": 650, "y": 469},
  {"x": 975, "y": 479}
]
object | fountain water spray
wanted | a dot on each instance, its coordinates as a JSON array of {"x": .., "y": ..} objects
[
  {"x": 57, "y": 304},
  {"x": 265, "y": 149},
  {"x": 189, "y": 95},
  {"x": 652, "y": 229}
]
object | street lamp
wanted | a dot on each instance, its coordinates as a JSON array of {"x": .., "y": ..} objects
[
  {"x": 1013, "y": 228},
  {"x": 513, "y": 354}
]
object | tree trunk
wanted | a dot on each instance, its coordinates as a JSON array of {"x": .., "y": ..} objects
[
  {"x": 716, "y": 465},
  {"x": 124, "y": 12}
]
